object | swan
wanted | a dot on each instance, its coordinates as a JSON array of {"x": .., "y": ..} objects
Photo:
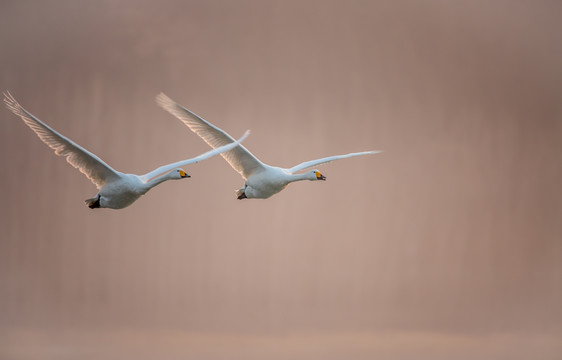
[
  {"x": 116, "y": 190},
  {"x": 262, "y": 180}
]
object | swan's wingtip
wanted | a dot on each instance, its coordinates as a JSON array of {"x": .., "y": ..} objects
[
  {"x": 243, "y": 137},
  {"x": 11, "y": 102},
  {"x": 8, "y": 97},
  {"x": 163, "y": 100},
  {"x": 162, "y": 96}
]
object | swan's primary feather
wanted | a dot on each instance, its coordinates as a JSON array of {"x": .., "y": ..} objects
[
  {"x": 208, "y": 154},
  {"x": 239, "y": 157},
  {"x": 313, "y": 163},
  {"x": 89, "y": 164}
]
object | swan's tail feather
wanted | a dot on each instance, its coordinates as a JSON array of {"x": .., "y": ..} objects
[
  {"x": 93, "y": 203},
  {"x": 240, "y": 194}
]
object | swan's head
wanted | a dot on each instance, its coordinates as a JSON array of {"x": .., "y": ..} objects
[
  {"x": 179, "y": 174},
  {"x": 316, "y": 175}
]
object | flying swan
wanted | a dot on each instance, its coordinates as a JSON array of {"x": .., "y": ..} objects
[
  {"x": 262, "y": 180},
  {"x": 116, "y": 190}
]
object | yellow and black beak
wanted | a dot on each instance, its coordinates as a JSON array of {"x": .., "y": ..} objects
[
  {"x": 183, "y": 174},
  {"x": 319, "y": 176}
]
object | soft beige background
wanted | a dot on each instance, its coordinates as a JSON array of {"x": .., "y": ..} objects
[{"x": 447, "y": 246}]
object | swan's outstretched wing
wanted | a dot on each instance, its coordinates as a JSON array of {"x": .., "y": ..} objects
[
  {"x": 313, "y": 163},
  {"x": 88, "y": 164},
  {"x": 208, "y": 154},
  {"x": 239, "y": 157}
]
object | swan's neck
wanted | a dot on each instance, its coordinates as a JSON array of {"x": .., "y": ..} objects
[
  {"x": 156, "y": 181},
  {"x": 298, "y": 177}
]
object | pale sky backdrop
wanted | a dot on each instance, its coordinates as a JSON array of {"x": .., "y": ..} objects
[{"x": 446, "y": 246}]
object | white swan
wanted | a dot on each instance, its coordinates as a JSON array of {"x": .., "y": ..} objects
[
  {"x": 262, "y": 180},
  {"x": 116, "y": 190}
]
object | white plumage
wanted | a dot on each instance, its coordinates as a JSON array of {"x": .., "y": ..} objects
[
  {"x": 116, "y": 190},
  {"x": 262, "y": 180}
]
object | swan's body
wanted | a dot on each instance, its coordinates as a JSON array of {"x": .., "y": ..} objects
[
  {"x": 262, "y": 180},
  {"x": 127, "y": 188},
  {"x": 116, "y": 190}
]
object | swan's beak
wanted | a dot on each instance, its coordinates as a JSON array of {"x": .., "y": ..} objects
[
  {"x": 183, "y": 174},
  {"x": 319, "y": 176}
]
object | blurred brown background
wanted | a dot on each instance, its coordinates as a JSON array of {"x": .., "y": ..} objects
[{"x": 446, "y": 246}]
